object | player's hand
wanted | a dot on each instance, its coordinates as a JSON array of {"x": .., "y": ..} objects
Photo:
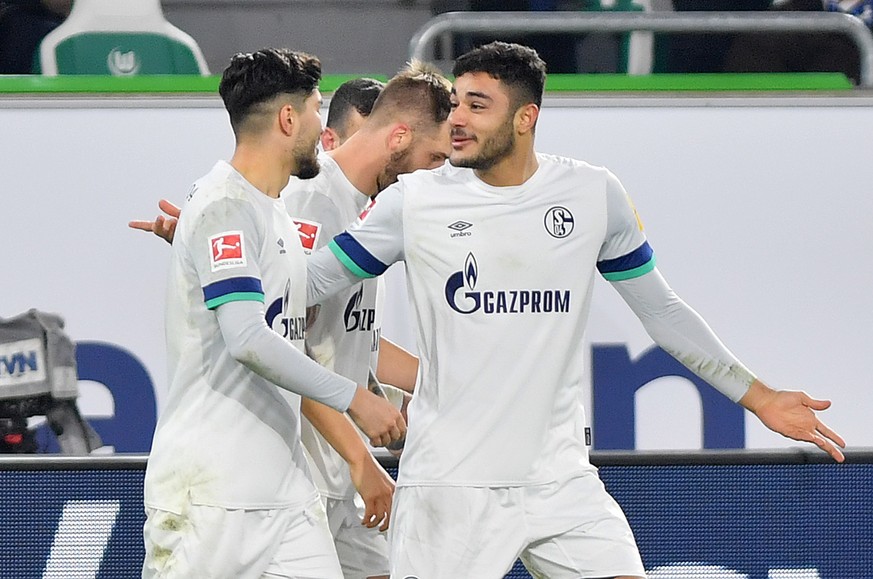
[
  {"x": 396, "y": 448},
  {"x": 163, "y": 227},
  {"x": 377, "y": 417},
  {"x": 792, "y": 414},
  {"x": 377, "y": 489}
]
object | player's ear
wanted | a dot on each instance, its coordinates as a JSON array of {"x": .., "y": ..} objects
[
  {"x": 287, "y": 119},
  {"x": 400, "y": 137},
  {"x": 330, "y": 140},
  {"x": 526, "y": 118}
]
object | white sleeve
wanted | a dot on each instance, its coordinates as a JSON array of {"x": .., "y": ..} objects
[
  {"x": 624, "y": 230},
  {"x": 625, "y": 253},
  {"x": 326, "y": 276},
  {"x": 224, "y": 239},
  {"x": 681, "y": 332},
  {"x": 253, "y": 344},
  {"x": 366, "y": 249}
]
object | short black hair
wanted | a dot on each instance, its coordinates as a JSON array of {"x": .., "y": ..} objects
[
  {"x": 520, "y": 68},
  {"x": 254, "y": 78},
  {"x": 357, "y": 94}
]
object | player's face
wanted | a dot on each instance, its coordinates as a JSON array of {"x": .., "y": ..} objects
[
  {"x": 305, "y": 153},
  {"x": 482, "y": 121},
  {"x": 428, "y": 150}
]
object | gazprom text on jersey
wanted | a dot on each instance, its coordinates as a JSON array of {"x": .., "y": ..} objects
[{"x": 523, "y": 301}]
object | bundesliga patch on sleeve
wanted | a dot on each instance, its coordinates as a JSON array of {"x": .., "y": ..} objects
[
  {"x": 227, "y": 250},
  {"x": 308, "y": 231}
]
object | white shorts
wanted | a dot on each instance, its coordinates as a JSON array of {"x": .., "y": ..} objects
[
  {"x": 571, "y": 530},
  {"x": 362, "y": 551},
  {"x": 213, "y": 542}
]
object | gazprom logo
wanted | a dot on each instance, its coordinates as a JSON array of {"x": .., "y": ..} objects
[
  {"x": 122, "y": 63},
  {"x": 278, "y": 318},
  {"x": 22, "y": 361},
  {"x": 356, "y": 318},
  {"x": 462, "y": 296}
]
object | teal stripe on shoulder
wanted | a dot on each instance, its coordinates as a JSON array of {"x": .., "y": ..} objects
[
  {"x": 631, "y": 273},
  {"x": 347, "y": 261},
  {"x": 235, "y": 297}
]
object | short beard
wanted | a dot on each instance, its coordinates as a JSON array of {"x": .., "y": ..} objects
[
  {"x": 494, "y": 150},
  {"x": 397, "y": 165},
  {"x": 308, "y": 166}
]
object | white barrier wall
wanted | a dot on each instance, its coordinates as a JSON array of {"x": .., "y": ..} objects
[{"x": 758, "y": 211}]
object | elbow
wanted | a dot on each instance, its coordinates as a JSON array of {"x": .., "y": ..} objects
[{"x": 245, "y": 355}]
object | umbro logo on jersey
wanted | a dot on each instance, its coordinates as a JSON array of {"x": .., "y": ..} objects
[
  {"x": 227, "y": 250},
  {"x": 459, "y": 229},
  {"x": 308, "y": 231},
  {"x": 281, "y": 243},
  {"x": 559, "y": 222}
]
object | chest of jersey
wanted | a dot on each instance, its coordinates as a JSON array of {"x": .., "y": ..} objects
[
  {"x": 283, "y": 275},
  {"x": 527, "y": 251}
]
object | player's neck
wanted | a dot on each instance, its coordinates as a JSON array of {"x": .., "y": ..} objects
[
  {"x": 514, "y": 169},
  {"x": 359, "y": 160},
  {"x": 268, "y": 173}
]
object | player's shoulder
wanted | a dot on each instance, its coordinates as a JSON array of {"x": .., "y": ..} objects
[
  {"x": 442, "y": 175},
  {"x": 329, "y": 184},
  {"x": 222, "y": 184},
  {"x": 560, "y": 163},
  {"x": 301, "y": 191},
  {"x": 575, "y": 172}
]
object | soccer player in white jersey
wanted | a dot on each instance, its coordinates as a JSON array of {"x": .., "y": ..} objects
[
  {"x": 501, "y": 247},
  {"x": 362, "y": 549},
  {"x": 227, "y": 489},
  {"x": 405, "y": 130}
]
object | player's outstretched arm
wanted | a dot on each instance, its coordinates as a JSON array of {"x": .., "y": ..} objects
[
  {"x": 792, "y": 414},
  {"x": 374, "y": 484},
  {"x": 679, "y": 330},
  {"x": 163, "y": 226}
]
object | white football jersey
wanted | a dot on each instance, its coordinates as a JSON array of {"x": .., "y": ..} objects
[
  {"x": 500, "y": 280},
  {"x": 228, "y": 437},
  {"x": 345, "y": 335}
]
